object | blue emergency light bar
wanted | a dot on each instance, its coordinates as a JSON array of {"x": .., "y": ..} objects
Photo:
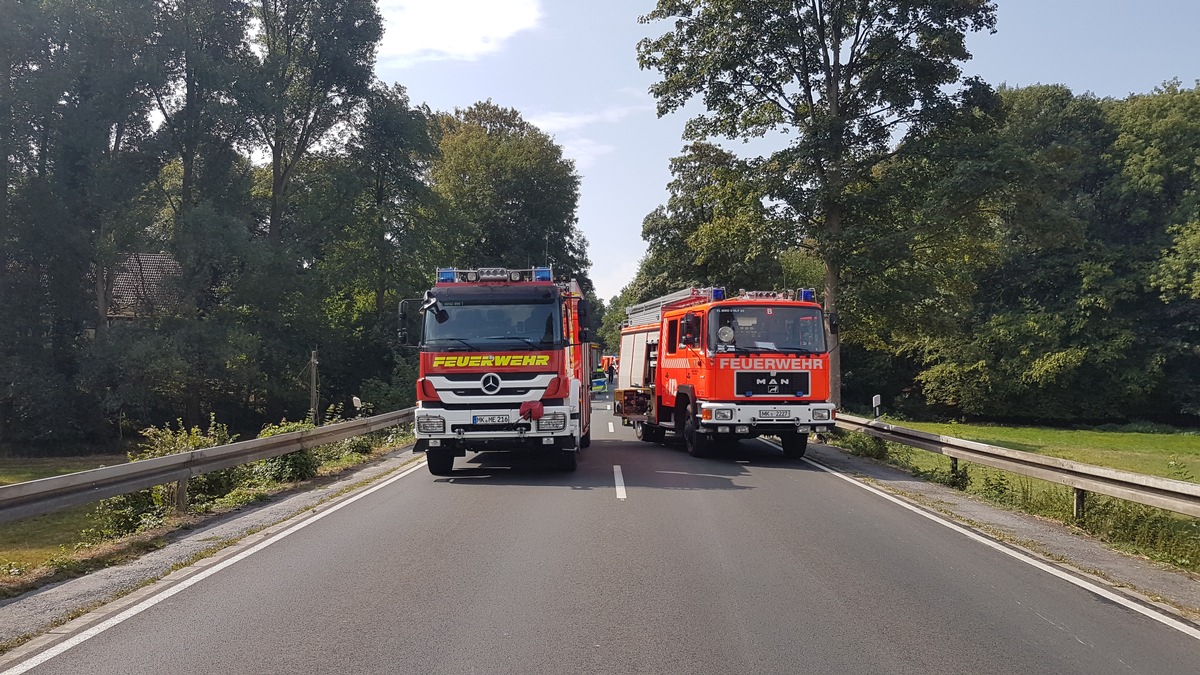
[
  {"x": 450, "y": 275},
  {"x": 718, "y": 294},
  {"x": 808, "y": 294}
]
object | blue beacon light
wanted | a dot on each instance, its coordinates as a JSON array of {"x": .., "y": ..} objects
[
  {"x": 718, "y": 294},
  {"x": 541, "y": 274},
  {"x": 446, "y": 275},
  {"x": 808, "y": 294}
]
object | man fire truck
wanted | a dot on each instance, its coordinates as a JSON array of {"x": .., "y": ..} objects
[
  {"x": 715, "y": 369},
  {"x": 505, "y": 365}
]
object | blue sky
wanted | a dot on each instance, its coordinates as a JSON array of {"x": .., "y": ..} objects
[{"x": 570, "y": 67}]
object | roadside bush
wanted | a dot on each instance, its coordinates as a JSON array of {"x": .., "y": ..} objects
[
  {"x": 861, "y": 445},
  {"x": 290, "y": 468},
  {"x": 959, "y": 480},
  {"x": 137, "y": 511}
]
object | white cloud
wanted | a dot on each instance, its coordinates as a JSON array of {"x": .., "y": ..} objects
[
  {"x": 565, "y": 128},
  {"x": 555, "y": 122},
  {"x": 584, "y": 151},
  {"x": 464, "y": 30}
]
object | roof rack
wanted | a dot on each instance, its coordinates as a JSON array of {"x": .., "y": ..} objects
[{"x": 651, "y": 311}]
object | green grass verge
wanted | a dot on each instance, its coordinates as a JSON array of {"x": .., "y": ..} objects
[
  {"x": 1156, "y": 454},
  {"x": 1160, "y": 535}
]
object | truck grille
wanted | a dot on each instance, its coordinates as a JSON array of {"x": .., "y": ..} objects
[{"x": 772, "y": 384}]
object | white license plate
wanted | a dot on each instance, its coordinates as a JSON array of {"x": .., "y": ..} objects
[
  {"x": 491, "y": 419},
  {"x": 775, "y": 413}
]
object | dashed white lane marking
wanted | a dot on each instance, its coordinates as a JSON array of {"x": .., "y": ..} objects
[
  {"x": 619, "y": 480},
  {"x": 191, "y": 581},
  {"x": 1154, "y": 615},
  {"x": 610, "y": 428}
]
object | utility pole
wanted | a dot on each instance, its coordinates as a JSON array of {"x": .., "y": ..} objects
[{"x": 312, "y": 387}]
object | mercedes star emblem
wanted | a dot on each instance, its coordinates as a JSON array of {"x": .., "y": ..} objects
[{"x": 490, "y": 383}]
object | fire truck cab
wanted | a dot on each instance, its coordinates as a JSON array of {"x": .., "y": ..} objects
[
  {"x": 715, "y": 369},
  {"x": 504, "y": 365}
]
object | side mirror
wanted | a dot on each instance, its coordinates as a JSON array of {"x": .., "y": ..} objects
[
  {"x": 585, "y": 335},
  {"x": 691, "y": 327},
  {"x": 833, "y": 323},
  {"x": 402, "y": 315},
  {"x": 585, "y": 314}
]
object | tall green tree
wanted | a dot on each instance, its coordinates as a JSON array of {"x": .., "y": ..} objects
[
  {"x": 514, "y": 195},
  {"x": 715, "y": 228},
  {"x": 848, "y": 79},
  {"x": 311, "y": 67}
]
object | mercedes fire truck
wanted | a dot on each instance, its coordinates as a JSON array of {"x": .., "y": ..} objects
[
  {"x": 714, "y": 369},
  {"x": 504, "y": 365}
]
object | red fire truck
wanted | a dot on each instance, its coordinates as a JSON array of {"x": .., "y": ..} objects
[
  {"x": 715, "y": 369},
  {"x": 505, "y": 365}
]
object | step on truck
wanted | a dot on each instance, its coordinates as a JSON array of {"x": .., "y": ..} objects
[
  {"x": 713, "y": 369},
  {"x": 504, "y": 365}
]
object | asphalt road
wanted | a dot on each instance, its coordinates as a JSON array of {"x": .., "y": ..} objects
[{"x": 747, "y": 563}]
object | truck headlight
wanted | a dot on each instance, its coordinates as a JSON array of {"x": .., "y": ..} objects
[
  {"x": 431, "y": 425},
  {"x": 552, "y": 422},
  {"x": 819, "y": 414},
  {"x": 723, "y": 414}
]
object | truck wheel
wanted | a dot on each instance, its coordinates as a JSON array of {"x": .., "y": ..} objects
[
  {"x": 441, "y": 462},
  {"x": 794, "y": 445},
  {"x": 643, "y": 432},
  {"x": 698, "y": 444},
  {"x": 567, "y": 460}
]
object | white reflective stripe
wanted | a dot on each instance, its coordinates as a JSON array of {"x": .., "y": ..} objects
[
  {"x": 531, "y": 395},
  {"x": 468, "y": 416},
  {"x": 439, "y": 382},
  {"x": 536, "y": 385}
]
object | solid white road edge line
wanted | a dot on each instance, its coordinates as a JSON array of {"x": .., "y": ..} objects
[
  {"x": 189, "y": 582},
  {"x": 1164, "y": 619},
  {"x": 619, "y": 480}
]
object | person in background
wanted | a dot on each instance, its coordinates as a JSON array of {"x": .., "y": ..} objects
[{"x": 612, "y": 373}]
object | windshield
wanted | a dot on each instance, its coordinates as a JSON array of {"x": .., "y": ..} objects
[
  {"x": 758, "y": 328},
  {"x": 484, "y": 325}
]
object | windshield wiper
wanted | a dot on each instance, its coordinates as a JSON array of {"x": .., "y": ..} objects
[
  {"x": 468, "y": 344},
  {"x": 527, "y": 341}
]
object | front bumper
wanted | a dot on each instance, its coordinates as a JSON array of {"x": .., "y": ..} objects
[
  {"x": 483, "y": 428},
  {"x": 739, "y": 420}
]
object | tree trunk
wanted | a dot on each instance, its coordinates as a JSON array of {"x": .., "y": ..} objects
[{"x": 833, "y": 225}]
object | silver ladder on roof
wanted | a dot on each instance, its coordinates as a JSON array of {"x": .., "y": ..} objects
[{"x": 651, "y": 311}]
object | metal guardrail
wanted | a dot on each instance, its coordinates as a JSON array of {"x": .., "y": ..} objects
[
  {"x": 1166, "y": 493},
  {"x": 47, "y": 495}
]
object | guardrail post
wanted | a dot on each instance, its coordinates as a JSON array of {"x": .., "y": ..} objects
[
  {"x": 1080, "y": 503},
  {"x": 954, "y": 465},
  {"x": 181, "y": 497}
]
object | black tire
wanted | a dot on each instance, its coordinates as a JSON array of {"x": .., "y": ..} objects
[
  {"x": 441, "y": 462},
  {"x": 586, "y": 439},
  {"x": 567, "y": 460},
  {"x": 639, "y": 431},
  {"x": 794, "y": 445},
  {"x": 698, "y": 444}
]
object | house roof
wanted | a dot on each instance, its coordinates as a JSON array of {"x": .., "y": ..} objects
[{"x": 141, "y": 284}]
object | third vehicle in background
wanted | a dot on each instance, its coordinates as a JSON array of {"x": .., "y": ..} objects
[{"x": 715, "y": 369}]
